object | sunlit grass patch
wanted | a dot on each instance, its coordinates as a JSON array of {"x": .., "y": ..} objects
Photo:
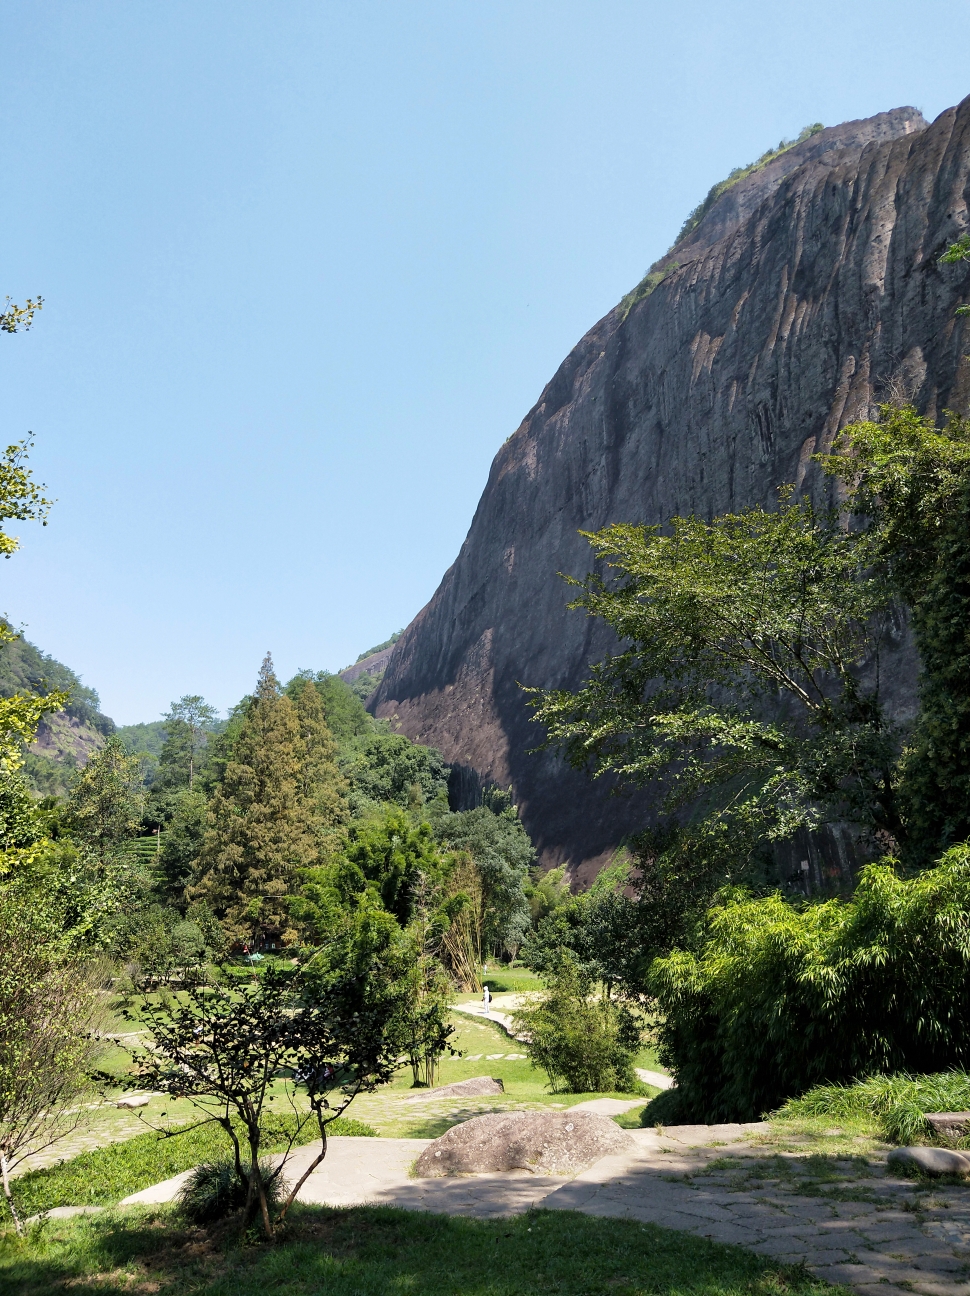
[
  {"x": 370, "y": 1251},
  {"x": 895, "y": 1106}
]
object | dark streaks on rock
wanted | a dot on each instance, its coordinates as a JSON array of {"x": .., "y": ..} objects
[{"x": 809, "y": 292}]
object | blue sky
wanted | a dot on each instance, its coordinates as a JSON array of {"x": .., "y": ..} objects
[{"x": 307, "y": 265}]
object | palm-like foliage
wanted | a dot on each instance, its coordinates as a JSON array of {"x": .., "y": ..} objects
[{"x": 779, "y": 999}]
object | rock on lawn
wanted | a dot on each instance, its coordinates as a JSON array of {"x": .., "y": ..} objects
[
  {"x": 557, "y": 1143},
  {"x": 476, "y": 1087},
  {"x": 929, "y": 1160}
]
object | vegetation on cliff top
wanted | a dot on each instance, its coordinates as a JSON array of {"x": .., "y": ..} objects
[
  {"x": 660, "y": 269},
  {"x": 741, "y": 173}
]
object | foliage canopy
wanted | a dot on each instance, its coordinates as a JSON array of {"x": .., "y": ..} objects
[
  {"x": 743, "y": 696},
  {"x": 779, "y": 998}
]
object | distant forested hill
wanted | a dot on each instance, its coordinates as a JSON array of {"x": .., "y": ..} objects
[
  {"x": 67, "y": 739},
  {"x": 148, "y": 737}
]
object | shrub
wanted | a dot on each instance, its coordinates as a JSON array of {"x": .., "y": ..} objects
[
  {"x": 585, "y": 1044},
  {"x": 214, "y": 1190},
  {"x": 779, "y": 998},
  {"x": 899, "y": 1102}
]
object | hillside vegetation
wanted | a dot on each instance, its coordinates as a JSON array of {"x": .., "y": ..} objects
[{"x": 65, "y": 739}]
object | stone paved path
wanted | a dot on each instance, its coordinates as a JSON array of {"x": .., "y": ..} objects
[
  {"x": 845, "y": 1218},
  {"x": 849, "y": 1222}
]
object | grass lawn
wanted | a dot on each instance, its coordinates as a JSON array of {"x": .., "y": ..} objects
[
  {"x": 106, "y": 1175},
  {"x": 372, "y": 1251},
  {"x": 505, "y": 981},
  {"x": 398, "y": 1111},
  {"x": 91, "y": 1175}
]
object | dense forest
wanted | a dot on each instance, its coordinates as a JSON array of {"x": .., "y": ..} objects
[{"x": 199, "y": 837}]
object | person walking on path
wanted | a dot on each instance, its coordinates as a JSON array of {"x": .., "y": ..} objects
[{"x": 486, "y": 999}]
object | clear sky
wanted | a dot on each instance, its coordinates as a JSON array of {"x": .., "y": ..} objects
[{"x": 307, "y": 265}]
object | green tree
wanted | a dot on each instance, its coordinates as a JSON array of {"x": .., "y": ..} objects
[
  {"x": 187, "y": 724},
  {"x": 20, "y": 823},
  {"x": 21, "y": 499},
  {"x": 323, "y": 787},
  {"x": 503, "y": 854},
  {"x": 739, "y": 692},
  {"x": 585, "y": 1042},
  {"x": 778, "y": 998},
  {"x": 48, "y": 1008},
  {"x": 548, "y": 892},
  {"x": 610, "y": 935},
  {"x": 910, "y": 482},
  {"x": 182, "y": 841},
  {"x": 323, "y": 1035},
  {"x": 259, "y": 825},
  {"x": 389, "y": 767},
  {"x": 395, "y": 856},
  {"x": 343, "y": 711},
  {"x": 107, "y": 800}
]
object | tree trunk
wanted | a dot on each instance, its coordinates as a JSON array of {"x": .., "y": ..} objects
[
  {"x": 9, "y": 1196},
  {"x": 306, "y": 1173}
]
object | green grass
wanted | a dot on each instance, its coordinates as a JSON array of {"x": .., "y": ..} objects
[
  {"x": 897, "y": 1104},
  {"x": 372, "y": 1251},
  {"x": 511, "y": 981},
  {"x": 105, "y": 1176},
  {"x": 633, "y": 1119},
  {"x": 525, "y": 1086}
]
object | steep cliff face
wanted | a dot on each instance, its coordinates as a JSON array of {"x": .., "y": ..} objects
[{"x": 808, "y": 292}]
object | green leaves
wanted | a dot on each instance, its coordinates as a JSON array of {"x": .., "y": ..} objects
[
  {"x": 13, "y": 318},
  {"x": 778, "y": 999},
  {"x": 911, "y": 481},
  {"x": 957, "y": 252},
  {"x": 107, "y": 799},
  {"x": 585, "y": 1043},
  {"x": 743, "y": 675}
]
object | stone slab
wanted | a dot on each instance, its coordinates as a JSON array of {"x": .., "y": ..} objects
[
  {"x": 607, "y": 1106},
  {"x": 658, "y": 1079},
  {"x": 64, "y": 1212},
  {"x": 165, "y": 1191}
]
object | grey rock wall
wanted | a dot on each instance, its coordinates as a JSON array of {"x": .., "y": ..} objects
[{"x": 800, "y": 301}]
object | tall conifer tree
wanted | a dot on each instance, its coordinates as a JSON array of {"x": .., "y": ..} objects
[
  {"x": 259, "y": 830},
  {"x": 323, "y": 787}
]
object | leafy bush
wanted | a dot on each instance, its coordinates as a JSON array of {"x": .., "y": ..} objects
[
  {"x": 585, "y": 1044},
  {"x": 782, "y": 998},
  {"x": 503, "y": 855},
  {"x": 385, "y": 767},
  {"x": 899, "y": 1102},
  {"x": 214, "y": 1190}
]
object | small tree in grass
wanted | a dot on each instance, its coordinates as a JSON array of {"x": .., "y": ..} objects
[
  {"x": 48, "y": 1011},
  {"x": 585, "y": 1043},
  {"x": 312, "y": 1039}
]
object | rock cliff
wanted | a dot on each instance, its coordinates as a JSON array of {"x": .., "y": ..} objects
[{"x": 810, "y": 291}]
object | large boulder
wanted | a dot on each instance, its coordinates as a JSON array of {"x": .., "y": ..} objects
[
  {"x": 555, "y": 1143},
  {"x": 476, "y": 1087}
]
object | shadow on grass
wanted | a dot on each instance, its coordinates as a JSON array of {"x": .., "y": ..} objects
[{"x": 375, "y": 1250}]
